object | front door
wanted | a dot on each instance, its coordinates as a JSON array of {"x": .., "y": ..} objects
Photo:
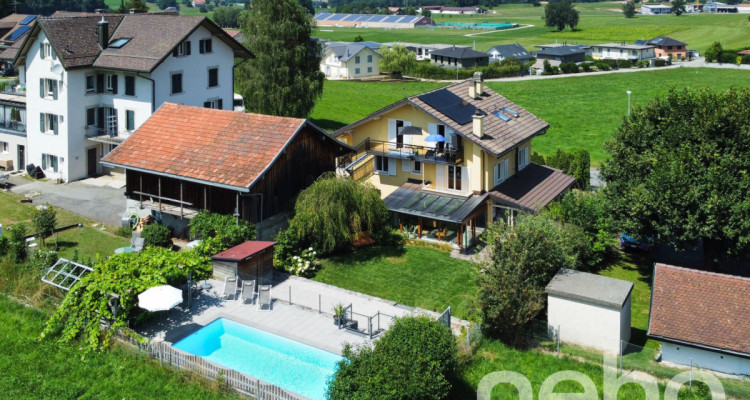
[
  {"x": 91, "y": 161},
  {"x": 21, "y": 157}
]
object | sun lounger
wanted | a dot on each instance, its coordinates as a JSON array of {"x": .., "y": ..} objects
[
  {"x": 248, "y": 291},
  {"x": 230, "y": 287},
  {"x": 264, "y": 297}
]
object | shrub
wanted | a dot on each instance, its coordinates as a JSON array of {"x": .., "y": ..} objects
[
  {"x": 124, "y": 231},
  {"x": 415, "y": 359},
  {"x": 305, "y": 263},
  {"x": 602, "y": 66},
  {"x": 226, "y": 228},
  {"x": 18, "y": 245},
  {"x": 643, "y": 64},
  {"x": 41, "y": 259},
  {"x": 569, "y": 68},
  {"x": 746, "y": 59},
  {"x": 728, "y": 58},
  {"x": 44, "y": 221},
  {"x": 157, "y": 235},
  {"x": 586, "y": 67},
  {"x": 576, "y": 164},
  {"x": 624, "y": 64},
  {"x": 659, "y": 62}
]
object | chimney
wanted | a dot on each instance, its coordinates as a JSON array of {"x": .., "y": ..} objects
[
  {"x": 103, "y": 33},
  {"x": 478, "y": 80},
  {"x": 478, "y": 120}
]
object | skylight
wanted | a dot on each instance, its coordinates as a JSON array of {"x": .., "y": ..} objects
[
  {"x": 117, "y": 43},
  {"x": 502, "y": 116}
]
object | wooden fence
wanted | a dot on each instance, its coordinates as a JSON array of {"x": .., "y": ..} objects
[{"x": 238, "y": 381}]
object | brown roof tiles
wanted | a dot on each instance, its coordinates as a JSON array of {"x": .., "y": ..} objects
[
  {"x": 701, "y": 308},
  {"x": 532, "y": 188}
]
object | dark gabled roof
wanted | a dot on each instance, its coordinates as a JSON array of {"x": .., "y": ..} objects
[
  {"x": 459, "y": 53},
  {"x": 699, "y": 308},
  {"x": 532, "y": 188},
  {"x": 499, "y": 136},
  {"x": 214, "y": 147},
  {"x": 13, "y": 27},
  {"x": 345, "y": 51},
  {"x": 411, "y": 199},
  {"x": 512, "y": 50},
  {"x": 590, "y": 288},
  {"x": 665, "y": 41},
  {"x": 561, "y": 51},
  {"x": 152, "y": 39},
  {"x": 11, "y": 52}
]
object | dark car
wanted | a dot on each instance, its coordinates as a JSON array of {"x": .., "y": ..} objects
[{"x": 628, "y": 242}]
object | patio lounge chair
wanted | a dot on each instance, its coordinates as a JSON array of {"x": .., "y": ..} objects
[
  {"x": 248, "y": 290},
  {"x": 230, "y": 287},
  {"x": 264, "y": 297}
]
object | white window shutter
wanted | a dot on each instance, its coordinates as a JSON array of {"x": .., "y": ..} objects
[
  {"x": 440, "y": 176},
  {"x": 465, "y": 178},
  {"x": 432, "y": 130},
  {"x": 392, "y": 130},
  {"x": 391, "y": 166},
  {"x": 407, "y": 138},
  {"x": 450, "y": 137}
]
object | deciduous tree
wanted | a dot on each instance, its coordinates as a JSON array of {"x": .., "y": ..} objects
[
  {"x": 560, "y": 14},
  {"x": 284, "y": 78},
  {"x": 678, "y": 7},
  {"x": 628, "y": 9},
  {"x": 397, "y": 60},
  {"x": 44, "y": 220}
]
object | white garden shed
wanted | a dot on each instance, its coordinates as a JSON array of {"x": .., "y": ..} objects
[{"x": 589, "y": 310}]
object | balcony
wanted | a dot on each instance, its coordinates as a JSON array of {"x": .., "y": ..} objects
[
  {"x": 439, "y": 154},
  {"x": 104, "y": 135},
  {"x": 13, "y": 126}
]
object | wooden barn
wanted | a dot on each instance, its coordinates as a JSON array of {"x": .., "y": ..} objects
[
  {"x": 184, "y": 159},
  {"x": 252, "y": 260}
]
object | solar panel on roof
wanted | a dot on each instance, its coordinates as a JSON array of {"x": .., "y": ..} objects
[
  {"x": 19, "y": 32},
  {"x": 449, "y": 104},
  {"x": 425, "y": 202},
  {"x": 502, "y": 116},
  {"x": 336, "y": 17},
  {"x": 27, "y": 20},
  {"x": 351, "y": 17},
  {"x": 392, "y": 18},
  {"x": 321, "y": 17},
  {"x": 451, "y": 207}
]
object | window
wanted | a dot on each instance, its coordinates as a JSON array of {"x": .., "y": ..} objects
[
  {"x": 204, "y": 46},
  {"x": 177, "y": 83},
  {"x": 4, "y": 147},
  {"x": 90, "y": 83},
  {"x": 369, "y": 58},
  {"x": 356, "y": 59},
  {"x": 111, "y": 84},
  {"x": 182, "y": 49},
  {"x": 46, "y": 52},
  {"x": 454, "y": 177},
  {"x": 110, "y": 115},
  {"x": 118, "y": 43},
  {"x": 48, "y": 89},
  {"x": 91, "y": 117},
  {"x": 213, "y": 77},
  {"x": 523, "y": 158},
  {"x": 49, "y": 162},
  {"x": 356, "y": 70},
  {"x": 501, "y": 171},
  {"x": 48, "y": 123},
  {"x": 369, "y": 69},
  {"x": 130, "y": 120},
  {"x": 130, "y": 86},
  {"x": 416, "y": 167},
  {"x": 214, "y": 103},
  {"x": 383, "y": 165}
]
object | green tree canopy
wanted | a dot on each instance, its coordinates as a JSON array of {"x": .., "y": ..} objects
[
  {"x": 228, "y": 17},
  {"x": 284, "y": 78},
  {"x": 679, "y": 170},
  {"x": 137, "y": 5},
  {"x": 44, "y": 220},
  {"x": 628, "y": 9},
  {"x": 560, "y": 14},
  {"x": 415, "y": 359},
  {"x": 397, "y": 60},
  {"x": 678, "y": 7}
]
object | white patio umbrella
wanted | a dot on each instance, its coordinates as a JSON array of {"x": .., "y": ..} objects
[{"x": 160, "y": 298}]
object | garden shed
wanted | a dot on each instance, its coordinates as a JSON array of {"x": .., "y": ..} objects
[
  {"x": 252, "y": 260},
  {"x": 589, "y": 310}
]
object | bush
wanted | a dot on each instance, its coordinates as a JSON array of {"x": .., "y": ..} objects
[
  {"x": 4, "y": 246},
  {"x": 157, "y": 235},
  {"x": 229, "y": 230},
  {"x": 586, "y": 67},
  {"x": 124, "y": 231},
  {"x": 746, "y": 59},
  {"x": 569, "y": 68},
  {"x": 426, "y": 70},
  {"x": 602, "y": 65},
  {"x": 18, "y": 245},
  {"x": 659, "y": 62},
  {"x": 624, "y": 64},
  {"x": 415, "y": 359},
  {"x": 576, "y": 164},
  {"x": 44, "y": 221},
  {"x": 643, "y": 64},
  {"x": 41, "y": 260},
  {"x": 728, "y": 58}
]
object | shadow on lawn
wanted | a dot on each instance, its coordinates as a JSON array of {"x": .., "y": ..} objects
[
  {"x": 327, "y": 124},
  {"x": 364, "y": 254}
]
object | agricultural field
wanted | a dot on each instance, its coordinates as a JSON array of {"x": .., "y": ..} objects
[
  {"x": 583, "y": 111},
  {"x": 599, "y": 23}
]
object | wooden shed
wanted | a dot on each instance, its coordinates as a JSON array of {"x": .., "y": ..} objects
[{"x": 250, "y": 260}]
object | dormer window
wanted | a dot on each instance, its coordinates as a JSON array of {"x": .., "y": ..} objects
[{"x": 182, "y": 49}]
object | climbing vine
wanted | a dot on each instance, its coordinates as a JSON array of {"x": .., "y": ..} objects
[{"x": 125, "y": 275}]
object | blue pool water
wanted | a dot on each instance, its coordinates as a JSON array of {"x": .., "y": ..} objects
[{"x": 285, "y": 363}]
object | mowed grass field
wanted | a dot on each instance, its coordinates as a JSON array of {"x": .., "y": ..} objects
[
  {"x": 583, "y": 111},
  {"x": 599, "y": 23}
]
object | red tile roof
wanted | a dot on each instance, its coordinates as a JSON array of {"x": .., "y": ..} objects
[
  {"x": 243, "y": 250},
  {"x": 701, "y": 308},
  {"x": 213, "y": 146}
]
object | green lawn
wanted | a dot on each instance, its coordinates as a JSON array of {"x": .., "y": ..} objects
[
  {"x": 49, "y": 369},
  {"x": 583, "y": 111},
  {"x": 598, "y": 23},
  {"x": 415, "y": 276}
]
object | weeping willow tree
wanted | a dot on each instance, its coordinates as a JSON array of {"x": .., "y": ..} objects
[{"x": 329, "y": 213}]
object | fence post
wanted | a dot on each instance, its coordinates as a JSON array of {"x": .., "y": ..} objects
[{"x": 369, "y": 326}]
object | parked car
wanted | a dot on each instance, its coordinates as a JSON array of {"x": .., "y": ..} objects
[{"x": 628, "y": 242}]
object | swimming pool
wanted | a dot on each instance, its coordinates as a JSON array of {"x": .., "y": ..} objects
[{"x": 291, "y": 365}]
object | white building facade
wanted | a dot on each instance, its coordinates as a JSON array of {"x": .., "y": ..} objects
[{"x": 350, "y": 62}]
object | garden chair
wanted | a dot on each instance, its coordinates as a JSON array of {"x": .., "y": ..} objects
[
  {"x": 264, "y": 297},
  {"x": 441, "y": 234},
  {"x": 248, "y": 291},
  {"x": 230, "y": 287}
]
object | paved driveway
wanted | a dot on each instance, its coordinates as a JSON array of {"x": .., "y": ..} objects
[{"x": 99, "y": 203}]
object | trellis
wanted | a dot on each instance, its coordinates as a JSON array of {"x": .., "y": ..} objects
[{"x": 65, "y": 273}]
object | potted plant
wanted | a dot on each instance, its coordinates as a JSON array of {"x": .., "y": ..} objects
[{"x": 338, "y": 314}]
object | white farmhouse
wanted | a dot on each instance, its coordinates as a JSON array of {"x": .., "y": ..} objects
[
  {"x": 350, "y": 60},
  {"x": 92, "y": 80},
  {"x": 589, "y": 310},
  {"x": 701, "y": 318}
]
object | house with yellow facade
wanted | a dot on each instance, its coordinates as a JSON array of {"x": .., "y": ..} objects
[{"x": 450, "y": 161}]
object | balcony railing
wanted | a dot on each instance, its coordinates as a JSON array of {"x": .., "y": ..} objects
[
  {"x": 13, "y": 126},
  {"x": 438, "y": 154},
  {"x": 105, "y": 133}
]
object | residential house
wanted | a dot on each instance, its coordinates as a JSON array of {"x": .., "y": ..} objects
[
  {"x": 396, "y": 10},
  {"x": 666, "y": 46},
  {"x": 449, "y": 161},
  {"x": 350, "y": 60},
  {"x": 199, "y": 3},
  {"x": 562, "y": 53},
  {"x": 459, "y": 57},
  {"x": 12, "y": 131},
  {"x": 622, "y": 51},
  {"x": 184, "y": 159},
  {"x": 589, "y": 310},
  {"x": 93, "y": 80},
  {"x": 13, "y": 30},
  {"x": 701, "y": 318},
  {"x": 421, "y": 50},
  {"x": 506, "y": 51},
  {"x": 717, "y": 7},
  {"x": 655, "y": 9}
]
